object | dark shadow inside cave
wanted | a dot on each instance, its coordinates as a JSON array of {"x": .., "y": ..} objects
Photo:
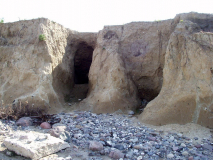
[
  {"x": 146, "y": 95},
  {"x": 82, "y": 63},
  {"x": 146, "y": 92}
]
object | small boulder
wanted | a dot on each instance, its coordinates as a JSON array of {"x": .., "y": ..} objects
[
  {"x": 95, "y": 146},
  {"x": 24, "y": 121},
  {"x": 45, "y": 125}
]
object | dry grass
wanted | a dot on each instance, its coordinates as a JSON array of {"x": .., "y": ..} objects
[{"x": 16, "y": 111}]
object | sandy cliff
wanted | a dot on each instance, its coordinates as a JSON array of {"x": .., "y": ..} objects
[{"x": 167, "y": 63}]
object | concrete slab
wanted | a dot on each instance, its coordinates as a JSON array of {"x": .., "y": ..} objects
[{"x": 34, "y": 145}]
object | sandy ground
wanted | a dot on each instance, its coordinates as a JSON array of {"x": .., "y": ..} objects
[{"x": 189, "y": 130}]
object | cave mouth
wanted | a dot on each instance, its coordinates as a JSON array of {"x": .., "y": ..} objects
[
  {"x": 145, "y": 96},
  {"x": 82, "y": 63}
]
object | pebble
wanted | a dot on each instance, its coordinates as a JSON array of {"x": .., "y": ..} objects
[
  {"x": 198, "y": 146},
  {"x": 116, "y": 154},
  {"x": 45, "y": 125},
  {"x": 190, "y": 158},
  {"x": 172, "y": 138},
  {"x": 95, "y": 146},
  {"x": 182, "y": 145},
  {"x": 118, "y": 137},
  {"x": 185, "y": 153},
  {"x": 196, "y": 138},
  {"x": 179, "y": 135},
  {"x": 152, "y": 138},
  {"x": 119, "y": 147},
  {"x": 170, "y": 155},
  {"x": 24, "y": 121},
  {"x": 175, "y": 148},
  {"x": 137, "y": 147},
  {"x": 140, "y": 158}
]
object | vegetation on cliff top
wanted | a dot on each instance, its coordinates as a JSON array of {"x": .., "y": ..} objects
[{"x": 2, "y": 20}]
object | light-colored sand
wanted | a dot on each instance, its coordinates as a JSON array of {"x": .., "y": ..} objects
[{"x": 189, "y": 130}]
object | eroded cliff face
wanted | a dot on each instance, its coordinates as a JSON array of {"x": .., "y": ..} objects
[
  {"x": 127, "y": 65},
  {"x": 38, "y": 73},
  {"x": 168, "y": 63},
  {"x": 186, "y": 95}
]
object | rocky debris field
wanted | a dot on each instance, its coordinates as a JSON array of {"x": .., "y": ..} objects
[{"x": 110, "y": 136}]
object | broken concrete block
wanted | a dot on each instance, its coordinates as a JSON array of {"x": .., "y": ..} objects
[{"x": 34, "y": 145}]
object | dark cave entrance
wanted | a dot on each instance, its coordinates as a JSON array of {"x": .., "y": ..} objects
[{"x": 82, "y": 63}]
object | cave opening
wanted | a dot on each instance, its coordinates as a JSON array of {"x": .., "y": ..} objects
[{"x": 82, "y": 63}]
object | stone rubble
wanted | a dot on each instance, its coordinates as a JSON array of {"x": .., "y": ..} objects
[{"x": 114, "y": 136}]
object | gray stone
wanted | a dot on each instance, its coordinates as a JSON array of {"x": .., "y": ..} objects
[
  {"x": 139, "y": 158},
  {"x": 198, "y": 146},
  {"x": 129, "y": 154},
  {"x": 137, "y": 147},
  {"x": 152, "y": 138},
  {"x": 170, "y": 155},
  {"x": 185, "y": 153},
  {"x": 174, "y": 148},
  {"x": 179, "y": 135},
  {"x": 182, "y": 145},
  {"x": 207, "y": 146},
  {"x": 172, "y": 138},
  {"x": 119, "y": 146}
]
